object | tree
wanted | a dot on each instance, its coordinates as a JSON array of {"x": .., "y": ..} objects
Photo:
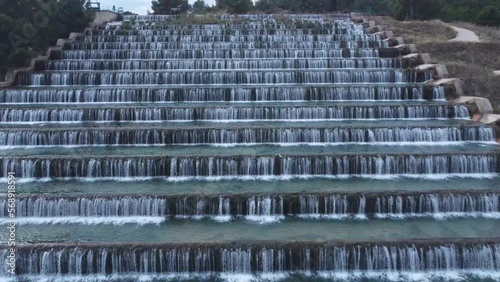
[
  {"x": 321, "y": 6},
  {"x": 405, "y": 9},
  {"x": 29, "y": 27},
  {"x": 418, "y": 9},
  {"x": 169, "y": 7},
  {"x": 489, "y": 16},
  {"x": 266, "y": 5},
  {"x": 200, "y": 7},
  {"x": 297, "y": 6},
  {"x": 235, "y": 6},
  {"x": 72, "y": 17}
]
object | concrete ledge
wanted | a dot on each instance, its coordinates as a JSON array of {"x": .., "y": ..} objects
[
  {"x": 491, "y": 120},
  {"x": 384, "y": 34},
  {"x": 355, "y": 18},
  {"x": 393, "y": 41},
  {"x": 370, "y": 26},
  {"x": 456, "y": 83},
  {"x": 409, "y": 48},
  {"x": 441, "y": 70},
  {"x": 426, "y": 58},
  {"x": 483, "y": 105},
  {"x": 372, "y": 30},
  {"x": 416, "y": 59}
]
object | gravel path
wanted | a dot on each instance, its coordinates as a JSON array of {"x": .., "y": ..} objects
[{"x": 464, "y": 35}]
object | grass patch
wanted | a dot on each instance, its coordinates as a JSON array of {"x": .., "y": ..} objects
[
  {"x": 474, "y": 63},
  {"x": 418, "y": 31}
]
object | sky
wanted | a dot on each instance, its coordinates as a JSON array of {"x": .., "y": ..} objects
[{"x": 136, "y": 6}]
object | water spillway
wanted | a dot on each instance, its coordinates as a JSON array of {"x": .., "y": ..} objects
[
  {"x": 228, "y": 113},
  {"x": 261, "y": 208},
  {"x": 227, "y": 76},
  {"x": 223, "y": 134},
  {"x": 221, "y": 93},
  {"x": 216, "y": 54},
  {"x": 191, "y": 64},
  {"x": 264, "y": 147},
  {"x": 251, "y": 259},
  {"x": 247, "y": 166}
]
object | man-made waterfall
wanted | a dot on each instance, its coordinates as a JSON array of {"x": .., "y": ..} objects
[
  {"x": 205, "y": 259},
  {"x": 264, "y": 147},
  {"x": 224, "y": 77},
  {"x": 116, "y": 136},
  {"x": 220, "y": 94},
  {"x": 232, "y": 113},
  {"x": 249, "y": 166},
  {"x": 121, "y": 210},
  {"x": 312, "y": 63}
]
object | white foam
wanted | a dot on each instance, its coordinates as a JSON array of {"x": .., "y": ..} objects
[
  {"x": 222, "y": 218},
  {"x": 319, "y": 144},
  {"x": 224, "y": 121},
  {"x": 237, "y": 277},
  {"x": 326, "y": 216},
  {"x": 218, "y": 218},
  {"x": 439, "y": 215},
  {"x": 218, "y": 102},
  {"x": 230, "y": 145},
  {"x": 443, "y": 176},
  {"x": 115, "y": 220},
  {"x": 405, "y": 276},
  {"x": 265, "y": 219},
  {"x": 392, "y": 276}
]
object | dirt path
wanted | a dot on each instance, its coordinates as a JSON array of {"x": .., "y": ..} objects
[{"x": 464, "y": 35}]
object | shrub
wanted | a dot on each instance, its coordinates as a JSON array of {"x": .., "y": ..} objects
[{"x": 489, "y": 16}]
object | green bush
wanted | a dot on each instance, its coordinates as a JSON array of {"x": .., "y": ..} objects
[
  {"x": 20, "y": 57},
  {"x": 235, "y": 6},
  {"x": 18, "y": 47},
  {"x": 489, "y": 16}
]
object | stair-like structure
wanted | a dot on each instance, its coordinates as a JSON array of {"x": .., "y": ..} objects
[{"x": 290, "y": 147}]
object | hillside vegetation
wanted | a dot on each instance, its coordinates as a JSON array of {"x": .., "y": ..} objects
[
  {"x": 483, "y": 12},
  {"x": 29, "y": 27},
  {"x": 474, "y": 63}
]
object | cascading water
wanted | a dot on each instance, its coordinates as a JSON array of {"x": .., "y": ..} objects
[
  {"x": 219, "y": 94},
  {"x": 221, "y": 64},
  {"x": 114, "y": 136},
  {"x": 271, "y": 76},
  {"x": 171, "y": 113},
  {"x": 264, "y": 209},
  {"x": 203, "y": 259},
  {"x": 201, "y": 133},
  {"x": 88, "y": 210},
  {"x": 250, "y": 166}
]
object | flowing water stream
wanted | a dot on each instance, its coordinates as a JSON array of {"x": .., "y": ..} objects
[{"x": 261, "y": 148}]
